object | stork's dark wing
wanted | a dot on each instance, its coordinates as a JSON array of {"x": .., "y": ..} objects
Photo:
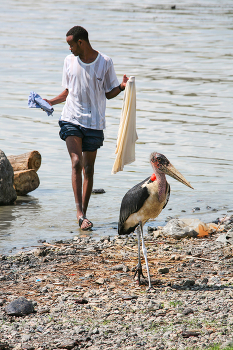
[
  {"x": 132, "y": 201},
  {"x": 167, "y": 195}
]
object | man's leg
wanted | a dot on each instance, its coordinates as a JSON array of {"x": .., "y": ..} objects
[
  {"x": 86, "y": 162},
  {"x": 88, "y": 173},
  {"x": 74, "y": 146}
]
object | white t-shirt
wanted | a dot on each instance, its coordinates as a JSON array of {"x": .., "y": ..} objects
[{"x": 87, "y": 84}]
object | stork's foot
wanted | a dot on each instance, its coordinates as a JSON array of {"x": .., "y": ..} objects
[
  {"x": 150, "y": 289},
  {"x": 138, "y": 271}
]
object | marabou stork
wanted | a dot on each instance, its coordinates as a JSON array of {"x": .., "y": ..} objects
[{"x": 145, "y": 201}]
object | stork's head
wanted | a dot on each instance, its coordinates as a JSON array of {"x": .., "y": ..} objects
[{"x": 160, "y": 163}]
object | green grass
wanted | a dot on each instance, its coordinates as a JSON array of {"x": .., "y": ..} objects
[
  {"x": 217, "y": 347},
  {"x": 153, "y": 327},
  {"x": 176, "y": 303},
  {"x": 214, "y": 347},
  {"x": 89, "y": 320},
  {"x": 191, "y": 322},
  {"x": 105, "y": 322},
  {"x": 50, "y": 318}
]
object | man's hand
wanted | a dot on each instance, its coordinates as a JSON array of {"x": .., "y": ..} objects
[
  {"x": 47, "y": 101},
  {"x": 124, "y": 81},
  {"x": 115, "y": 91}
]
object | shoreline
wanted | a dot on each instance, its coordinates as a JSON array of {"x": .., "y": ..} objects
[{"x": 85, "y": 297}]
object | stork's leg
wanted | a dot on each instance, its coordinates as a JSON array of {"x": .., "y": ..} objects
[
  {"x": 145, "y": 254},
  {"x": 139, "y": 265}
]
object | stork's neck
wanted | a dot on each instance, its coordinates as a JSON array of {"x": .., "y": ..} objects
[{"x": 162, "y": 184}]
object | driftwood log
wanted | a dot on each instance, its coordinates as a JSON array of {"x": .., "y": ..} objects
[
  {"x": 25, "y": 167},
  {"x": 30, "y": 160},
  {"x": 25, "y": 181}
]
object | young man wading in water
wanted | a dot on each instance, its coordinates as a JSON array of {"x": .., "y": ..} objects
[{"x": 88, "y": 78}]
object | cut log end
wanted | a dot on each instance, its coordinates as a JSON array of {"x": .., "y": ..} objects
[{"x": 34, "y": 160}]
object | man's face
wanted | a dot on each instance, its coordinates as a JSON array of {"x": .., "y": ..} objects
[{"x": 74, "y": 45}]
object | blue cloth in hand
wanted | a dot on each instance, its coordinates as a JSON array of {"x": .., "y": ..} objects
[{"x": 35, "y": 101}]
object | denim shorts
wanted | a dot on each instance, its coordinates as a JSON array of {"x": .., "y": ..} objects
[{"x": 91, "y": 139}]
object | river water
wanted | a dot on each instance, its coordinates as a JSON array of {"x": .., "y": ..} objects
[{"x": 182, "y": 61}]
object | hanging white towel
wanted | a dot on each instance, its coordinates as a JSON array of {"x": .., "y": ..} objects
[{"x": 127, "y": 135}]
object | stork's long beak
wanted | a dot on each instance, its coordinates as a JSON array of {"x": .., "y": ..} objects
[{"x": 173, "y": 172}]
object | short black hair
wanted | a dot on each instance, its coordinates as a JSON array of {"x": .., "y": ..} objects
[{"x": 78, "y": 33}]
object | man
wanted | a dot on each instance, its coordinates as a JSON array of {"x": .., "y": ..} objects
[{"x": 88, "y": 78}]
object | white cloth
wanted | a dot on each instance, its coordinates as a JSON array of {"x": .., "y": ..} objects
[
  {"x": 35, "y": 101},
  {"x": 127, "y": 135},
  {"x": 87, "y": 84}
]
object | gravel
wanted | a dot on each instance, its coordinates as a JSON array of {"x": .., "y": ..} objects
[{"x": 84, "y": 295}]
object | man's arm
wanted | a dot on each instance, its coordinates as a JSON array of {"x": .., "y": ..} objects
[
  {"x": 115, "y": 91},
  {"x": 59, "y": 99}
]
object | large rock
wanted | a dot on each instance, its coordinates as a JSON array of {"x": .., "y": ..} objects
[
  {"x": 7, "y": 192},
  {"x": 180, "y": 228},
  {"x": 19, "y": 307}
]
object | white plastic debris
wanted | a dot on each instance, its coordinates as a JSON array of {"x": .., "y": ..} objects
[{"x": 226, "y": 238}]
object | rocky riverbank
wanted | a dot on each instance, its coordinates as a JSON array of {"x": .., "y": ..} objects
[{"x": 84, "y": 295}]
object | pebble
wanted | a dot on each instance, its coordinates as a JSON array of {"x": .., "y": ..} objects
[
  {"x": 188, "y": 283},
  {"x": 196, "y": 209},
  {"x": 19, "y": 307},
  {"x": 188, "y": 311},
  {"x": 100, "y": 280},
  {"x": 2, "y": 301},
  {"x": 81, "y": 301},
  {"x": 163, "y": 270},
  {"x": 25, "y": 337}
]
